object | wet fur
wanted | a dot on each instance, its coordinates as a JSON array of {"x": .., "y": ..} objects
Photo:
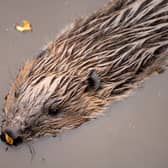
[{"x": 123, "y": 42}]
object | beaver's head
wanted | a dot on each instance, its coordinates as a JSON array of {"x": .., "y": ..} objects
[{"x": 40, "y": 102}]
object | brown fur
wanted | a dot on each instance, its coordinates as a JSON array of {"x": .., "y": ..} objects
[{"x": 123, "y": 42}]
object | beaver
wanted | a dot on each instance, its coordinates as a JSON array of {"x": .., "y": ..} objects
[{"x": 98, "y": 59}]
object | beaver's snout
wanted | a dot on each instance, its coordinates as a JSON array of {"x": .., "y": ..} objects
[{"x": 11, "y": 136}]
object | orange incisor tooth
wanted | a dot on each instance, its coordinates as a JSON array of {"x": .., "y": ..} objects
[{"x": 8, "y": 139}]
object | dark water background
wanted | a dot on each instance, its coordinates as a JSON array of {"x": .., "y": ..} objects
[{"x": 132, "y": 134}]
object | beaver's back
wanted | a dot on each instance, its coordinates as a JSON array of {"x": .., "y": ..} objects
[{"x": 124, "y": 41}]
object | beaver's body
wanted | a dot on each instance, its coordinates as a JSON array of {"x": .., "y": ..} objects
[{"x": 98, "y": 59}]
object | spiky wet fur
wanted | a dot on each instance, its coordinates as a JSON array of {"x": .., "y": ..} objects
[{"x": 124, "y": 42}]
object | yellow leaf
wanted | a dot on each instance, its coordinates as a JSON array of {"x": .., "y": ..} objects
[
  {"x": 26, "y": 26},
  {"x": 8, "y": 139}
]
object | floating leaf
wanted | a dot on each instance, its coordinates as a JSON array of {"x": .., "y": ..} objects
[
  {"x": 8, "y": 139},
  {"x": 26, "y": 26}
]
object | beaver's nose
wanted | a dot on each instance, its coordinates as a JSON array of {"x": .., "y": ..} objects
[{"x": 11, "y": 136}]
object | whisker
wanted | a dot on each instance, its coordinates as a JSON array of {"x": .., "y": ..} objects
[{"x": 31, "y": 150}]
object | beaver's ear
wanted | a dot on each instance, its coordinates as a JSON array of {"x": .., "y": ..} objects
[{"x": 93, "y": 81}]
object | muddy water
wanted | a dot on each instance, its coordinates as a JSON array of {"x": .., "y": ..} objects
[{"x": 132, "y": 134}]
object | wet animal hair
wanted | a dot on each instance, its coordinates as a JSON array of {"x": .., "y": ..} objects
[{"x": 97, "y": 60}]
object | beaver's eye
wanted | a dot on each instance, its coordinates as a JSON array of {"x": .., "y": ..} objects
[
  {"x": 16, "y": 94},
  {"x": 6, "y": 97},
  {"x": 53, "y": 111}
]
